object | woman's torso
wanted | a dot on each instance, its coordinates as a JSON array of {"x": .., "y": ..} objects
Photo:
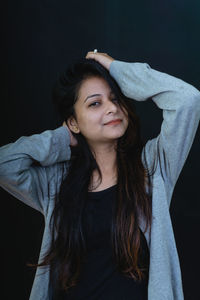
[{"x": 99, "y": 278}]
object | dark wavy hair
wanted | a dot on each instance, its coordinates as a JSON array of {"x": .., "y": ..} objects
[{"x": 68, "y": 247}]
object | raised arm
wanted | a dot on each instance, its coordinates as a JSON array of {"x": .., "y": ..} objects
[
  {"x": 180, "y": 103},
  {"x": 29, "y": 165}
]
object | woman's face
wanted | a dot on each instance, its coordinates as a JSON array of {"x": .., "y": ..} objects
[{"x": 95, "y": 108}]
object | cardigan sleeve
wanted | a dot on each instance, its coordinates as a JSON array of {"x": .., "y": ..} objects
[
  {"x": 180, "y": 103},
  {"x": 30, "y": 164}
]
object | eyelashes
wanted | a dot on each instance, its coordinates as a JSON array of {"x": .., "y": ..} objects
[
  {"x": 94, "y": 103},
  {"x": 99, "y": 102}
]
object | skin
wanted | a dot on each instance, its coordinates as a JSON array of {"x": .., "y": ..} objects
[
  {"x": 95, "y": 107},
  {"x": 105, "y": 60}
]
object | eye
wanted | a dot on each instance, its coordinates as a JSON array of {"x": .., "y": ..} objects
[
  {"x": 97, "y": 103},
  {"x": 94, "y": 103}
]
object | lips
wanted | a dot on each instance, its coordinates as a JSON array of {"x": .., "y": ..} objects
[{"x": 112, "y": 122}]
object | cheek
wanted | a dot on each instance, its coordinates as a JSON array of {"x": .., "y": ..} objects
[
  {"x": 126, "y": 123},
  {"x": 88, "y": 123},
  {"x": 125, "y": 117},
  {"x": 92, "y": 116}
]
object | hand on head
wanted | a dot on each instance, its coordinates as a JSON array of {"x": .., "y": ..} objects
[
  {"x": 73, "y": 140},
  {"x": 103, "y": 58}
]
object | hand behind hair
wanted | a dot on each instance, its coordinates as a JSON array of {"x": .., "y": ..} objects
[
  {"x": 103, "y": 58},
  {"x": 73, "y": 140}
]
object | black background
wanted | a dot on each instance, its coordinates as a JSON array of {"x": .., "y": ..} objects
[{"x": 38, "y": 40}]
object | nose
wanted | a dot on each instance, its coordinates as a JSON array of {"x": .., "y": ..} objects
[{"x": 110, "y": 107}]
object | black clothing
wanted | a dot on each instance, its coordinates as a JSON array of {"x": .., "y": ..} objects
[{"x": 100, "y": 279}]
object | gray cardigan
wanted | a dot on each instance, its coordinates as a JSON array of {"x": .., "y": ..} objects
[{"x": 37, "y": 185}]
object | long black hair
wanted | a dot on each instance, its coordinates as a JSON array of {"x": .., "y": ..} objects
[{"x": 68, "y": 247}]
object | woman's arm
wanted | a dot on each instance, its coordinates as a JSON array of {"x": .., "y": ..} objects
[
  {"x": 180, "y": 103},
  {"x": 20, "y": 173}
]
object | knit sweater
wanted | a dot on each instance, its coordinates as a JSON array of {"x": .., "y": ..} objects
[{"x": 38, "y": 184}]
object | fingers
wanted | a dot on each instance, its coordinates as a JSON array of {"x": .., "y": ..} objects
[
  {"x": 102, "y": 58},
  {"x": 73, "y": 140},
  {"x": 92, "y": 55}
]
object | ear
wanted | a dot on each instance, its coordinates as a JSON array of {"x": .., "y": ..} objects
[{"x": 73, "y": 125}]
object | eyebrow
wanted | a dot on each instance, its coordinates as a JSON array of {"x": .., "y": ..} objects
[{"x": 94, "y": 95}]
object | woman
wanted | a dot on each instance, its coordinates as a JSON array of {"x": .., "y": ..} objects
[{"x": 104, "y": 194}]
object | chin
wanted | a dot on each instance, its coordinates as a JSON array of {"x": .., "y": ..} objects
[{"x": 117, "y": 135}]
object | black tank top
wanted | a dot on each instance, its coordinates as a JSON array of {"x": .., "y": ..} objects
[{"x": 99, "y": 278}]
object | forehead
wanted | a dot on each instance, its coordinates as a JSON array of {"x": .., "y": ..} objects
[{"x": 93, "y": 85}]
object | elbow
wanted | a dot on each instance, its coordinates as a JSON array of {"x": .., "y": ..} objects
[
  {"x": 192, "y": 100},
  {"x": 195, "y": 103}
]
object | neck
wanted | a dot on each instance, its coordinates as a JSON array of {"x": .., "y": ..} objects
[{"x": 105, "y": 156}]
